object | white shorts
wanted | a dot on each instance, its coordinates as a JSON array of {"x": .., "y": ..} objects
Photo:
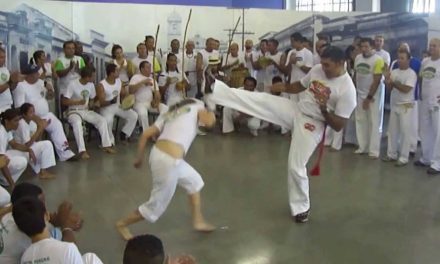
[{"x": 167, "y": 173}]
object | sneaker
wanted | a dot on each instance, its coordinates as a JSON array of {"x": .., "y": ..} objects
[
  {"x": 432, "y": 171},
  {"x": 360, "y": 152},
  {"x": 254, "y": 132},
  {"x": 388, "y": 159},
  {"x": 302, "y": 217},
  {"x": 373, "y": 156},
  {"x": 400, "y": 164},
  {"x": 200, "y": 132},
  {"x": 418, "y": 163}
]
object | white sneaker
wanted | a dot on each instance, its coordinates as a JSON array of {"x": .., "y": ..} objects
[
  {"x": 360, "y": 152},
  {"x": 254, "y": 132}
]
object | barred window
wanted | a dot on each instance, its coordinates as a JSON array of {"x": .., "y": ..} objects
[
  {"x": 423, "y": 6},
  {"x": 325, "y": 5}
]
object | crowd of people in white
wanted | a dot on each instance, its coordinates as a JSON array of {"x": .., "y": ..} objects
[{"x": 151, "y": 83}]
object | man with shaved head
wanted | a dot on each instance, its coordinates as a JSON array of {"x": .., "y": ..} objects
[
  {"x": 379, "y": 41},
  {"x": 429, "y": 110},
  {"x": 190, "y": 68},
  {"x": 231, "y": 61},
  {"x": 248, "y": 54}
]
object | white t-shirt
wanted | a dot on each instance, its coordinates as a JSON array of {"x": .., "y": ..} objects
[
  {"x": 304, "y": 57},
  {"x": 430, "y": 73},
  {"x": 137, "y": 61},
  {"x": 51, "y": 251},
  {"x": 190, "y": 67},
  {"x": 172, "y": 96},
  {"x": 123, "y": 74},
  {"x": 385, "y": 56},
  {"x": 24, "y": 131},
  {"x": 260, "y": 75},
  {"x": 5, "y": 97},
  {"x": 406, "y": 77},
  {"x": 145, "y": 93},
  {"x": 112, "y": 90},
  {"x": 63, "y": 63},
  {"x": 342, "y": 99},
  {"x": 271, "y": 70},
  {"x": 5, "y": 138},
  {"x": 77, "y": 91},
  {"x": 14, "y": 242},
  {"x": 205, "y": 58},
  {"x": 247, "y": 58},
  {"x": 180, "y": 126},
  {"x": 34, "y": 94},
  {"x": 365, "y": 69}
]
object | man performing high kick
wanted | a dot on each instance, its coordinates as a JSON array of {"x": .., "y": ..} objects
[{"x": 329, "y": 98}]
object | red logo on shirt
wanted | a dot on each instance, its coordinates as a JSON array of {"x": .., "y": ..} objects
[
  {"x": 317, "y": 87},
  {"x": 309, "y": 127}
]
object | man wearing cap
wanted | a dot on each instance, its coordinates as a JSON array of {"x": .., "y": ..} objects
[
  {"x": 77, "y": 98},
  {"x": 33, "y": 91},
  {"x": 141, "y": 86}
]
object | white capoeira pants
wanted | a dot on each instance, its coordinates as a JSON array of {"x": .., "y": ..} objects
[
  {"x": 430, "y": 134},
  {"x": 283, "y": 112},
  {"x": 91, "y": 258},
  {"x": 369, "y": 124},
  {"x": 75, "y": 119},
  {"x": 167, "y": 173},
  {"x": 58, "y": 137},
  {"x": 17, "y": 165},
  {"x": 415, "y": 135},
  {"x": 400, "y": 132},
  {"x": 130, "y": 117},
  {"x": 334, "y": 138},
  {"x": 142, "y": 110},
  {"x": 229, "y": 115},
  {"x": 44, "y": 153},
  {"x": 5, "y": 198}
]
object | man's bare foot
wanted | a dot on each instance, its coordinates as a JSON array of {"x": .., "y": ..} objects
[
  {"x": 109, "y": 150},
  {"x": 203, "y": 226},
  {"x": 123, "y": 231},
  {"x": 44, "y": 174},
  {"x": 84, "y": 155}
]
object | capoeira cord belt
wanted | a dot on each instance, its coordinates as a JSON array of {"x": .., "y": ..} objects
[{"x": 316, "y": 170}]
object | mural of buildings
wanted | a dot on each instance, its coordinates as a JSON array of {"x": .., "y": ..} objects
[{"x": 27, "y": 29}]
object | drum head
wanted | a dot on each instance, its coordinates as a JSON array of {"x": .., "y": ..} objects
[{"x": 128, "y": 102}]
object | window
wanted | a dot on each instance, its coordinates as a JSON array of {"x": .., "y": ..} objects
[
  {"x": 423, "y": 6},
  {"x": 325, "y": 5}
]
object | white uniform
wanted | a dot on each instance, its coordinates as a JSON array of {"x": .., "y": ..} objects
[
  {"x": 206, "y": 56},
  {"x": 17, "y": 164},
  {"x": 137, "y": 62},
  {"x": 43, "y": 150},
  {"x": 5, "y": 97},
  {"x": 232, "y": 61},
  {"x": 5, "y": 198},
  {"x": 52, "y": 251},
  {"x": 385, "y": 56},
  {"x": 401, "y": 115},
  {"x": 306, "y": 115},
  {"x": 123, "y": 73},
  {"x": 272, "y": 71},
  {"x": 191, "y": 73},
  {"x": 369, "y": 122},
  {"x": 48, "y": 75},
  {"x": 430, "y": 113},
  {"x": 144, "y": 97},
  {"x": 64, "y": 63},
  {"x": 77, "y": 113},
  {"x": 229, "y": 115},
  {"x": 108, "y": 112},
  {"x": 260, "y": 75},
  {"x": 247, "y": 58},
  {"x": 172, "y": 96},
  {"x": 35, "y": 95},
  {"x": 178, "y": 126}
]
